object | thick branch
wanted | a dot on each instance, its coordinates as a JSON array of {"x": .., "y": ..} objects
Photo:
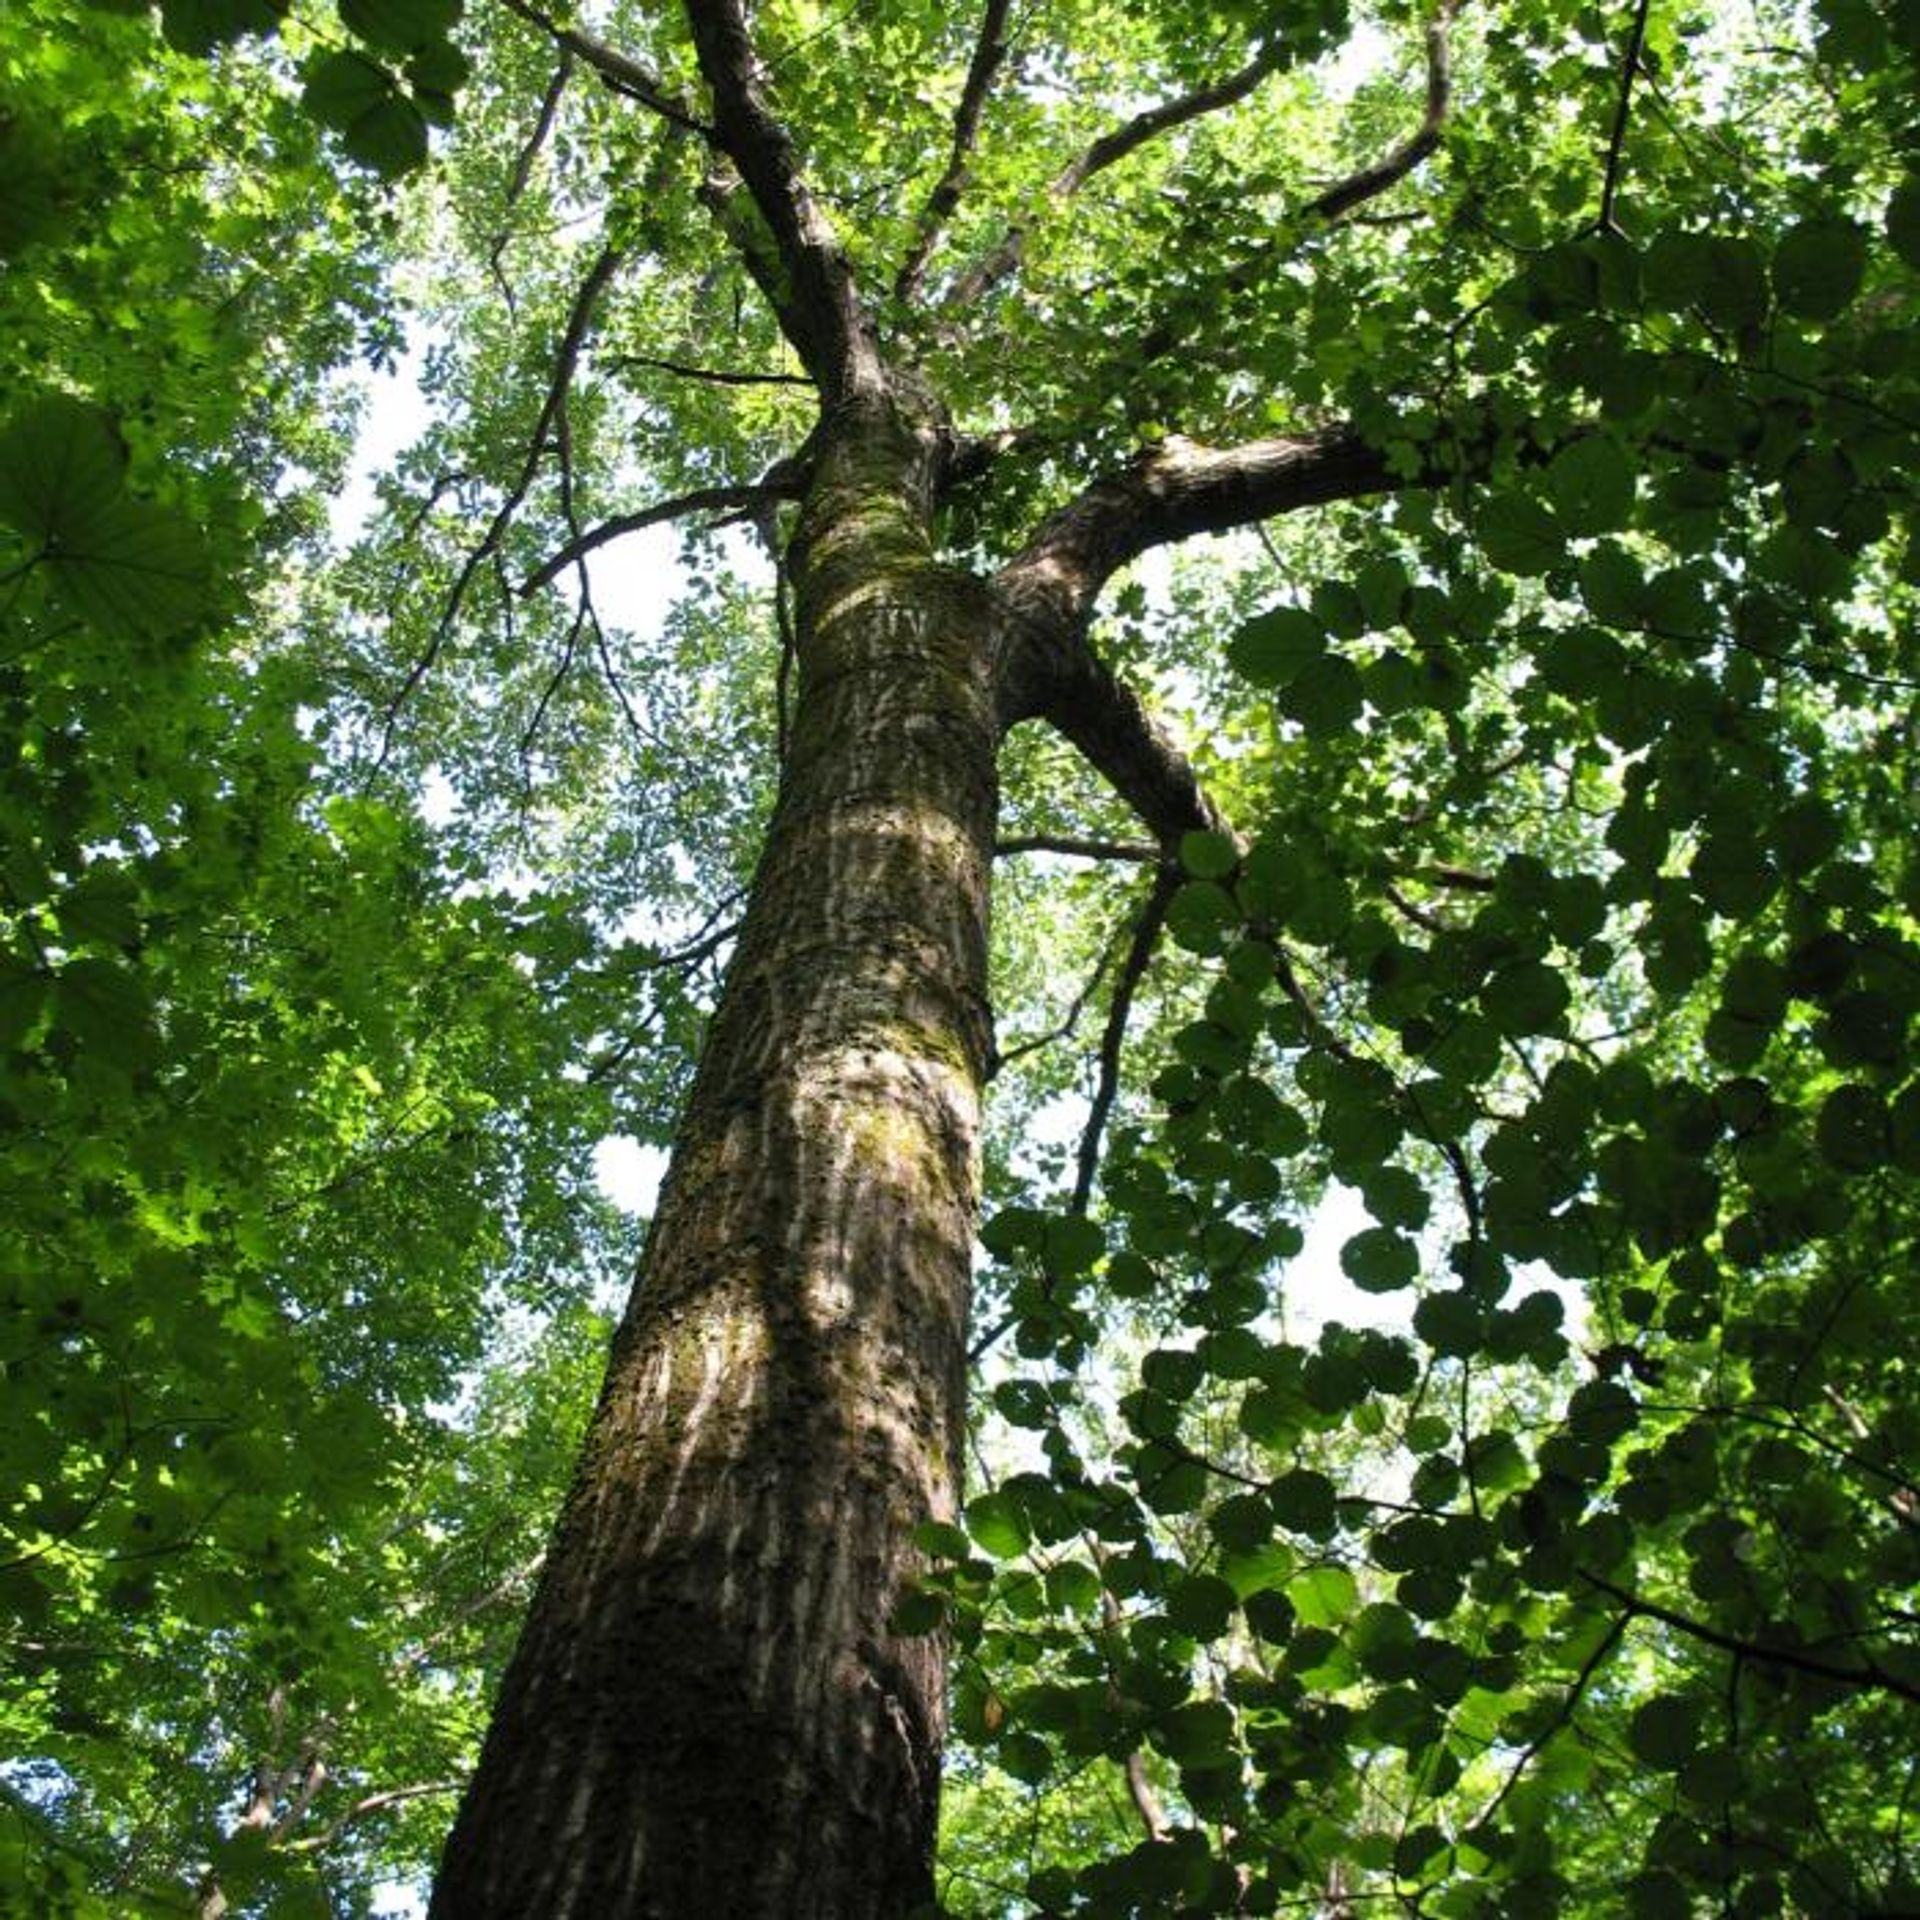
[
  {"x": 823, "y": 317},
  {"x": 989, "y": 52},
  {"x": 1175, "y": 490},
  {"x": 1111, "y": 148},
  {"x": 1370, "y": 182}
]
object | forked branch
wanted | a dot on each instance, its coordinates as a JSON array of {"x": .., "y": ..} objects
[
  {"x": 566, "y": 361},
  {"x": 989, "y": 54},
  {"x": 1111, "y": 148}
]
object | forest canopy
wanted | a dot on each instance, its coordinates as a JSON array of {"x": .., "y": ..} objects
[{"x": 1417, "y": 503}]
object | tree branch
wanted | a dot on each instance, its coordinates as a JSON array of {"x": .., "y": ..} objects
[
  {"x": 734, "y": 498},
  {"x": 989, "y": 52},
  {"x": 719, "y": 376},
  {"x": 1867, "y": 1674},
  {"x": 1111, "y": 148},
  {"x": 823, "y": 317},
  {"x": 523, "y": 168},
  {"x": 1616, "y": 141},
  {"x": 620, "y": 71},
  {"x": 579, "y": 320},
  {"x": 1073, "y": 844},
  {"x": 1370, "y": 182},
  {"x": 1146, "y": 935},
  {"x": 1175, "y": 490}
]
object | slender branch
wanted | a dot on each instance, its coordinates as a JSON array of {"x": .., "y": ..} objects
[
  {"x": 620, "y": 71},
  {"x": 579, "y": 320},
  {"x": 989, "y": 52},
  {"x": 1370, "y": 182},
  {"x": 719, "y": 376},
  {"x": 1146, "y": 1803},
  {"x": 1867, "y": 1674},
  {"x": 523, "y": 167},
  {"x": 1005, "y": 1056},
  {"x": 1146, "y": 935},
  {"x": 1616, "y": 141},
  {"x": 723, "y": 499},
  {"x": 1085, "y": 849},
  {"x": 1111, "y": 148},
  {"x": 1568, "y": 1707},
  {"x": 374, "y": 1803}
]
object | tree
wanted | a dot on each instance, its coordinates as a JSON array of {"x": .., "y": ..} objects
[{"x": 1537, "y": 869}]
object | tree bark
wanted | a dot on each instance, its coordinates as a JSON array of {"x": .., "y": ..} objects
[{"x": 708, "y": 1714}]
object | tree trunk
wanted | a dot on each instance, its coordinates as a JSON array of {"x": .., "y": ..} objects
[{"x": 708, "y": 1715}]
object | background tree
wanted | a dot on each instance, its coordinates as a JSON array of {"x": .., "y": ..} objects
[{"x": 1537, "y": 866}]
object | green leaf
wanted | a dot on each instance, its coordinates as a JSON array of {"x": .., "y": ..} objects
[
  {"x": 1202, "y": 1606},
  {"x": 199, "y": 26},
  {"x": 1325, "y": 697},
  {"x": 105, "y": 1007},
  {"x": 1818, "y": 267},
  {"x": 917, "y": 1612},
  {"x": 1666, "y": 1731},
  {"x": 1519, "y": 535},
  {"x": 1590, "y": 483},
  {"x": 1903, "y": 220},
  {"x": 1273, "y": 647},
  {"x": 136, "y": 571},
  {"x": 399, "y": 26},
  {"x": 1379, "y": 1260},
  {"x": 998, "y": 1525},
  {"x": 361, "y": 101},
  {"x": 1208, "y": 855},
  {"x": 1324, "y": 1596},
  {"x": 62, "y": 468}
]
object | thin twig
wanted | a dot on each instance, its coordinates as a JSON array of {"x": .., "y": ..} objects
[{"x": 1068, "y": 1024}]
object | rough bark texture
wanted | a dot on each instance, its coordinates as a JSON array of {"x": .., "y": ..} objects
[{"x": 707, "y": 1715}]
